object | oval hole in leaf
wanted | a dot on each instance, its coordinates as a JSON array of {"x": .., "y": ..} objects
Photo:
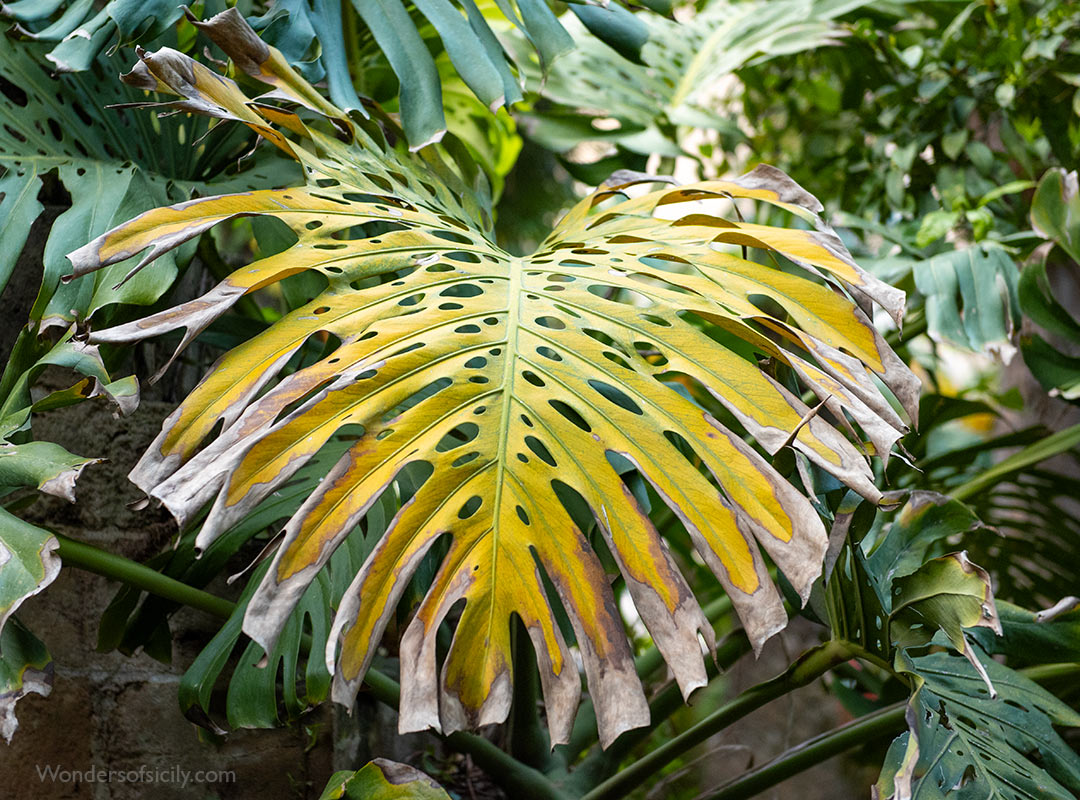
[{"x": 616, "y": 396}]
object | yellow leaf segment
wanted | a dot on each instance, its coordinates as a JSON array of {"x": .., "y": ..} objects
[{"x": 511, "y": 378}]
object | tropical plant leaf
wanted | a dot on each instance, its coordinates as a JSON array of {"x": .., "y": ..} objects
[
  {"x": 971, "y": 299},
  {"x": 25, "y": 667},
  {"x": 1055, "y": 210},
  {"x": 894, "y": 583},
  {"x": 1033, "y": 637},
  {"x": 947, "y": 594},
  {"x": 592, "y": 87},
  {"x": 963, "y": 743},
  {"x": 512, "y": 384},
  {"x": 1055, "y": 215},
  {"x": 45, "y": 466},
  {"x": 382, "y": 779},
  {"x": 28, "y": 562}
]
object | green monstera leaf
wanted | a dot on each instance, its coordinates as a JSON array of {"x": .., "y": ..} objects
[
  {"x": 963, "y": 742},
  {"x": 637, "y": 339}
]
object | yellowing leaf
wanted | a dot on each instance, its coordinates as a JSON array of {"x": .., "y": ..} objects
[
  {"x": 383, "y": 779},
  {"x": 513, "y": 381}
]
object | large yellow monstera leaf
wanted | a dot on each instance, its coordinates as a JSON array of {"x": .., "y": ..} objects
[{"x": 510, "y": 377}]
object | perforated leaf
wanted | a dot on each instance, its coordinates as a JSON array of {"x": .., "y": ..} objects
[
  {"x": 962, "y": 743},
  {"x": 509, "y": 385}
]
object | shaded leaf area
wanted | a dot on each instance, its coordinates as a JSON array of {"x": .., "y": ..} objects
[
  {"x": 1036, "y": 535},
  {"x": 312, "y": 35},
  {"x": 895, "y": 583},
  {"x": 970, "y": 299},
  {"x": 383, "y": 779},
  {"x": 256, "y": 694},
  {"x": 1028, "y": 637},
  {"x": 511, "y": 385},
  {"x": 25, "y": 667},
  {"x": 964, "y": 743},
  {"x": 111, "y": 163},
  {"x": 977, "y": 728},
  {"x": 1055, "y": 215},
  {"x": 594, "y": 95},
  {"x": 1029, "y": 539}
]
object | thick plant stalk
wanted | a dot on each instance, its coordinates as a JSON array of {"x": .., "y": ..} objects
[
  {"x": 807, "y": 669},
  {"x": 101, "y": 562},
  {"x": 888, "y": 720},
  {"x": 1041, "y": 450}
]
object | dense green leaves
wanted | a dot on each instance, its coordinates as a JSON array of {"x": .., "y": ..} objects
[{"x": 964, "y": 742}]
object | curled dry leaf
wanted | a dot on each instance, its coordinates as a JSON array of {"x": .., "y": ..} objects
[{"x": 511, "y": 380}]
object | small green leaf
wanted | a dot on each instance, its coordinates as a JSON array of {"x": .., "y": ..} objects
[
  {"x": 952, "y": 144},
  {"x": 382, "y": 779},
  {"x": 934, "y": 226}
]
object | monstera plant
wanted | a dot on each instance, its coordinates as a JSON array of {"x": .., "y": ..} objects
[
  {"x": 511, "y": 383},
  {"x": 505, "y": 477}
]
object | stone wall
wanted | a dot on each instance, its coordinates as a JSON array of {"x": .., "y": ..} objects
[{"x": 115, "y": 712}]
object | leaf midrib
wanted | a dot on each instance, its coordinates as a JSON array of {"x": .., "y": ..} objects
[{"x": 513, "y": 314}]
